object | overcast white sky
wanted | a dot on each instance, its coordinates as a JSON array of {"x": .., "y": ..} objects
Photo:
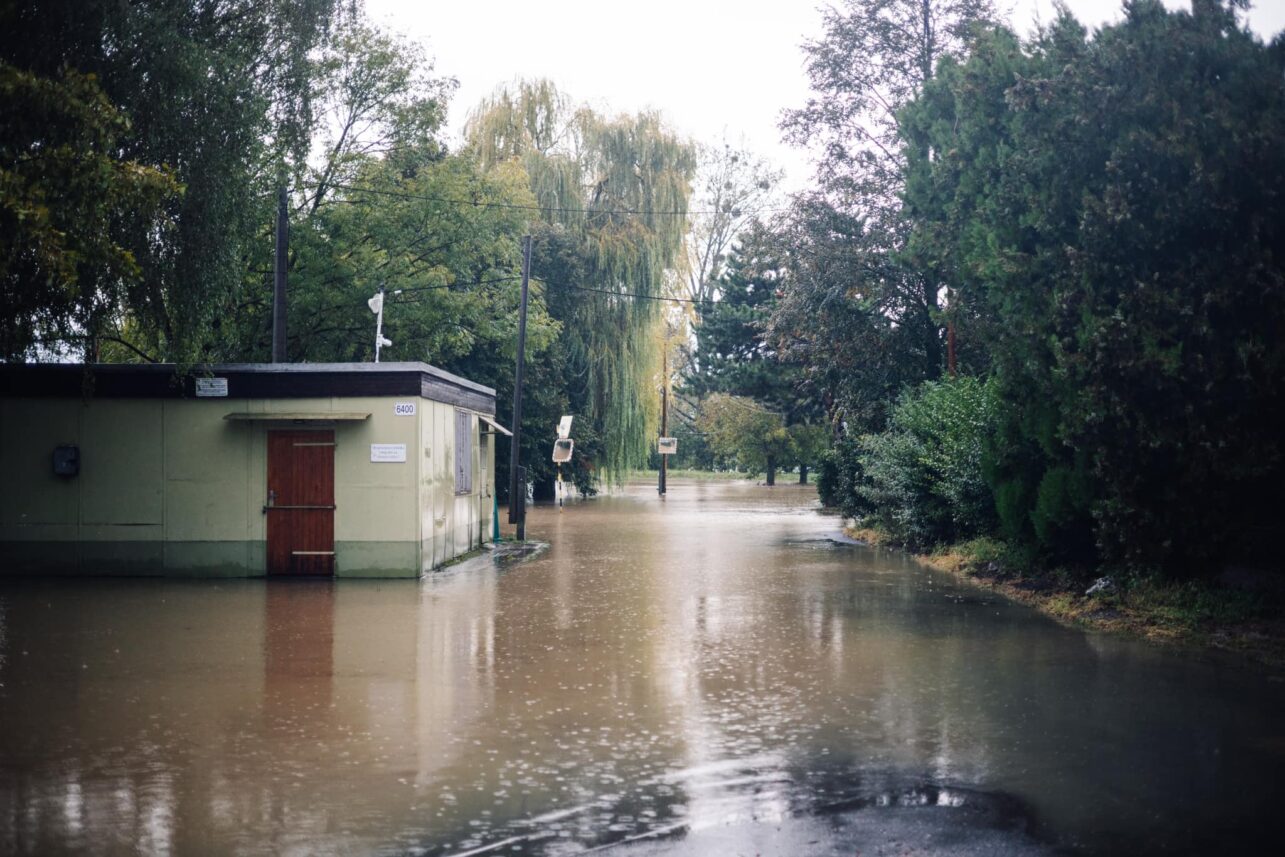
[{"x": 712, "y": 67}]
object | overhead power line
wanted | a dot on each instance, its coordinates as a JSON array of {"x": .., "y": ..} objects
[
  {"x": 546, "y": 284},
  {"x": 629, "y": 294},
  {"x": 452, "y": 285},
  {"x": 522, "y": 207}
]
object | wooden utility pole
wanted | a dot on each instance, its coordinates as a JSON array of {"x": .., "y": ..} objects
[
  {"x": 664, "y": 417},
  {"x": 517, "y": 486},
  {"x": 279, "y": 280}
]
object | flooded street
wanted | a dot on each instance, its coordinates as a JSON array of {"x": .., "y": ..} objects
[{"x": 708, "y": 674}]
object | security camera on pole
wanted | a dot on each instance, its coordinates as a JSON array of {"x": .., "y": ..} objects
[{"x": 376, "y": 305}]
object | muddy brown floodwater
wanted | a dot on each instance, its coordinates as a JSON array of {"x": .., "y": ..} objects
[{"x": 708, "y": 674}]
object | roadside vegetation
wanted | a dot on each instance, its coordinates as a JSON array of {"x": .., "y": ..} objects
[
  {"x": 1034, "y": 300},
  {"x": 1247, "y": 616}
]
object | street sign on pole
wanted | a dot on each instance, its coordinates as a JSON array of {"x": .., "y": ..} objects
[
  {"x": 667, "y": 446},
  {"x": 562, "y": 449},
  {"x": 564, "y": 427}
]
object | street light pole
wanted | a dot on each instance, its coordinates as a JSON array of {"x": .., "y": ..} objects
[{"x": 517, "y": 490}]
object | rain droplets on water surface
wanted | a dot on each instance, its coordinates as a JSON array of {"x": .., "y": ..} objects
[{"x": 711, "y": 673}]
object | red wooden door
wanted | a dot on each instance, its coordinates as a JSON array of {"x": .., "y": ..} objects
[{"x": 301, "y": 502}]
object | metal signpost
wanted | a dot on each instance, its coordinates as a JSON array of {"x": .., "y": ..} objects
[
  {"x": 562, "y": 448},
  {"x": 666, "y": 446}
]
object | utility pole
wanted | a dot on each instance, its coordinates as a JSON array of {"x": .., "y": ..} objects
[
  {"x": 279, "y": 280},
  {"x": 517, "y": 487},
  {"x": 664, "y": 416}
]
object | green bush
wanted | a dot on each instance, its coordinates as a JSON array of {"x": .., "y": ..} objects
[
  {"x": 922, "y": 477},
  {"x": 1060, "y": 517},
  {"x": 1044, "y": 489},
  {"x": 851, "y": 502},
  {"x": 828, "y": 478},
  {"x": 1013, "y": 508}
]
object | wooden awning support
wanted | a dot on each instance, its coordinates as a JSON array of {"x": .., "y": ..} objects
[{"x": 499, "y": 429}]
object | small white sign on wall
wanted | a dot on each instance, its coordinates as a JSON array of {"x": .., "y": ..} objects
[
  {"x": 404, "y": 409},
  {"x": 388, "y": 453},
  {"x": 211, "y": 387}
]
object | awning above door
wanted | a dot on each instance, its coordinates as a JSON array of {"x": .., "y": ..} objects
[
  {"x": 493, "y": 424},
  {"x": 298, "y": 416}
]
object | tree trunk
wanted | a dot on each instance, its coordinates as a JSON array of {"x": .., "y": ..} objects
[
  {"x": 771, "y": 471},
  {"x": 803, "y": 474}
]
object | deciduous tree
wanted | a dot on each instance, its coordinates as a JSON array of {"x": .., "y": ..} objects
[
  {"x": 733, "y": 189},
  {"x": 65, "y": 269},
  {"x": 216, "y": 91},
  {"x": 618, "y": 190},
  {"x": 746, "y": 434}
]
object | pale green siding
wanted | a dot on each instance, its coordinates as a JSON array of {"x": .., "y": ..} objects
[
  {"x": 34, "y": 498},
  {"x": 452, "y": 524},
  {"x": 171, "y": 487}
]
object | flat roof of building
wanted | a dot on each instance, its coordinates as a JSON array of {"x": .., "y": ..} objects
[{"x": 242, "y": 381}]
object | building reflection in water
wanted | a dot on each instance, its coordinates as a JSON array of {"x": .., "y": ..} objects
[{"x": 298, "y": 653}]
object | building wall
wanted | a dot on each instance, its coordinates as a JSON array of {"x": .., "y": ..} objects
[
  {"x": 452, "y": 524},
  {"x": 171, "y": 487}
]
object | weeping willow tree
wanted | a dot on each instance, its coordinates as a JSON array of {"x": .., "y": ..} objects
[{"x": 617, "y": 190}]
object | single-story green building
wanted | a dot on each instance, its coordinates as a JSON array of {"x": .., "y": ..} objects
[{"x": 343, "y": 469}]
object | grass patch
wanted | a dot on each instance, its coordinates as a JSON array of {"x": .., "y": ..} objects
[
  {"x": 1194, "y": 606},
  {"x": 869, "y": 534},
  {"x": 1193, "y": 613},
  {"x": 984, "y": 551}
]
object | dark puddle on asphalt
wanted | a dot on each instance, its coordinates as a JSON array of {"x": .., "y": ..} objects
[{"x": 729, "y": 807}]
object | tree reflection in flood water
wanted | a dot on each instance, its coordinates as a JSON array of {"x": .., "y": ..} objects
[{"x": 703, "y": 674}]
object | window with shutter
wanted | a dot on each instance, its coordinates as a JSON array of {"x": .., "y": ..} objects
[{"x": 463, "y": 452}]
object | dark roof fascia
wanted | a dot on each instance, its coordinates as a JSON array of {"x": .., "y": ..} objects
[{"x": 245, "y": 381}]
